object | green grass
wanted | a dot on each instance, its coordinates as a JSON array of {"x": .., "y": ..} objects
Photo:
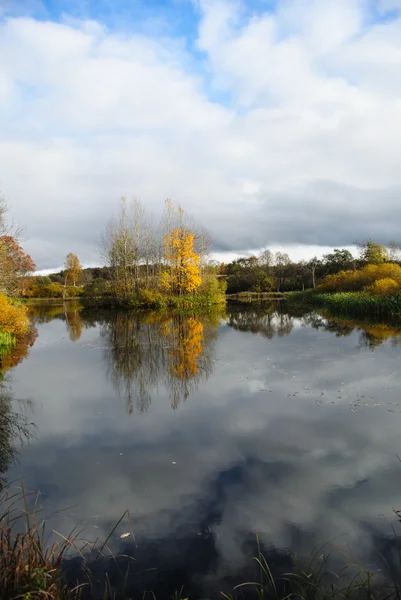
[
  {"x": 7, "y": 341},
  {"x": 350, "y": 303}
]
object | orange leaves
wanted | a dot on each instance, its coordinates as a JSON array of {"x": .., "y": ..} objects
[
  {"x": 20, "y": 262},
  {"x": 15, "y": 266}
]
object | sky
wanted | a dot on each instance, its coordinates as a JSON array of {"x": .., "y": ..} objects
[{"x": 275, "y": 123}]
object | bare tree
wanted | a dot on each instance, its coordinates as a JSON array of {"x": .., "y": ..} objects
[
  {"x": 311, "y": 267},
  {"x": 281, "y": 261},
  {"x": 119, "y": 251}
]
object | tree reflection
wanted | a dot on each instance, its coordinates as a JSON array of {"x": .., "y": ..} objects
[
  {"x": 14, "y": 425},
  {"x": 144, "y": 351},
  {"x": 277, "y": 319},
  {"x": 70, "y": 312},
  {"x": 268, "y": 319},
  {"x": 74, "y": 323}
]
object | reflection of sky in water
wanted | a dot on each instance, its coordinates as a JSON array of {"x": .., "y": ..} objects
[{"x": 294, "y": 435}]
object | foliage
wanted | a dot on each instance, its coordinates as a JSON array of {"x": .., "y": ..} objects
[
  {"x": 73, "y": 269},
  {"x": 15, "y": 266},
  {"x": 52, "y": 290},
  {"x": 360, "y": 279},
  {"x": 13, "y": 318},
  {"x": 383, "y": 287},
  {"x": 151, "y": 298},
  {"x": 357, "y": 303},
  {"x": 184, "y": 273},
  {"x": 373, "y": 253}
]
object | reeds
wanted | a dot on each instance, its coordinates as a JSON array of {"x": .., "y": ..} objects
[
  {"x": 30, "y": 565},
  {"x": 352, "y": 303},
  {"x": 7, "y": 341},
  {"x": 315, "y": 580}
]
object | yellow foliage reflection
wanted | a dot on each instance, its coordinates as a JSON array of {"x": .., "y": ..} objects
[{"x": 144, "y": 351}]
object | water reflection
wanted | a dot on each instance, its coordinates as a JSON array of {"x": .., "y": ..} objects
[
  {"x": 15, "y": 428},
  {"x": 268, "y": 319},
  {"x": 278, "y": 319},
  {"x": 70, "y": 312},
  {"x": 143, "y": 351},
  {"x": 292, "y": 431}
]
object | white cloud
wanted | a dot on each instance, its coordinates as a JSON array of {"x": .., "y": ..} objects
[{"x": 303, "y": 150}]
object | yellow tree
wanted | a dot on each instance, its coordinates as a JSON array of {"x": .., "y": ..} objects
[
  {"x": 73, "y": 268},
  {"x": 184, "y": 275}
]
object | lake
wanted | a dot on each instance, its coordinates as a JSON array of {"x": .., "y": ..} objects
[{"x": 209, "y": 430}]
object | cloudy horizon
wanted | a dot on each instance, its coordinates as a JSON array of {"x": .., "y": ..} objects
[{"x": 274, "y": 123}]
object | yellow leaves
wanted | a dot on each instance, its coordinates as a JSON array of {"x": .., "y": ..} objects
[
  {"x": 366, "y": 279},
  {"x": 184, "y": 275},
  {"x": 13, "y": 319},
  {"x": 187, "y": 336},
  {"x": 383, "y": 287}
]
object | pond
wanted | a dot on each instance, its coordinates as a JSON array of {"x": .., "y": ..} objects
[{"x": 208, "y": 430}]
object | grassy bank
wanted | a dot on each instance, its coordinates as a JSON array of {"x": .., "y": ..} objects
[
  {"x": 156, "y": 301},
  {"x": 44, "y": 301},
  {"x": 255, "y": 296},
  {"x": 350, "y": 303}
]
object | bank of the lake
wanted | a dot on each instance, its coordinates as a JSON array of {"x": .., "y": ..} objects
[
  {"x": 255, "y": 296},
  {"x": 351, "y": 303}
]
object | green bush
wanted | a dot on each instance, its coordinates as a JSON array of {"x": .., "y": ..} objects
[{"x": 151, "y": 298}]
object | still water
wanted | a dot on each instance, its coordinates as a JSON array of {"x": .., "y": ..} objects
[{"x": 208, "y": 430}]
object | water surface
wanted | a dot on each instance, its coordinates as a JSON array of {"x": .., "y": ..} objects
[{"x": 210, "y": 429}]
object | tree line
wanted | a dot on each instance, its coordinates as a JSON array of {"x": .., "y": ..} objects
[{"x": 276, "y": 272}]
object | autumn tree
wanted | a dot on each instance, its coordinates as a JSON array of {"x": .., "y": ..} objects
[
  {"x": 372, "y": 253},
  {"x": 15, "y": 266},
  {"x": 120, "y": 252},
  {"x": 184, "y": 274},
  {"x": 73, "y": 269}
]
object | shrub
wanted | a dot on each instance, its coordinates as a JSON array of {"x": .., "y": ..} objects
[
  {"x": 151, "y": 298},
  {"x": 383, "y": 287},
  {"x": 361, "y": 279},
  {"x": 13, "y": 318},
  {"x": 74, "y": 292}
]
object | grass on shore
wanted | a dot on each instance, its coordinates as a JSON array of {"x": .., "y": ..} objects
[
  {"x": 351, "y": 303},
  {"x": 7, "y": 341},
  {"x": 255, "y": 296}
]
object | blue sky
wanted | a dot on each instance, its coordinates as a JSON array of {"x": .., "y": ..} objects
[{"x": 276, "y": 124}]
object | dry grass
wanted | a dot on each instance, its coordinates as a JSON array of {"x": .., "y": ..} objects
[{"x": 30, "y": 565}]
